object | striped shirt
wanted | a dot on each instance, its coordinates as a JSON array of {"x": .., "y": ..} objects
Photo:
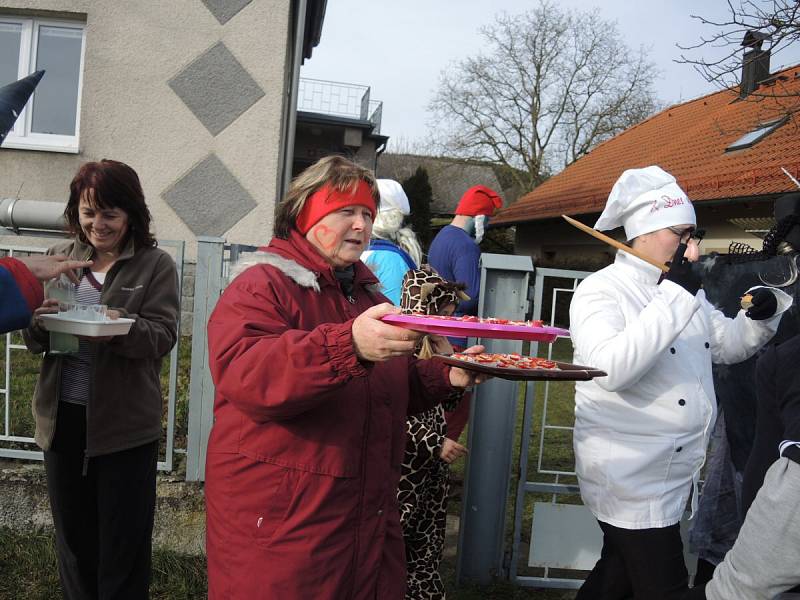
[{"x": 76, "y": 369}]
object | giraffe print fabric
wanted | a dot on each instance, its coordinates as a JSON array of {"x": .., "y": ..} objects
[{"x": 424, "y": 480}]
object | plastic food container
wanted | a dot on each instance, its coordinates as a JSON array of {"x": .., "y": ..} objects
[{"x": 61, "y": 324}]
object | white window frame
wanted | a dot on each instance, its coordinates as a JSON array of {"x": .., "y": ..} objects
[{"x": 21, "y": 137}]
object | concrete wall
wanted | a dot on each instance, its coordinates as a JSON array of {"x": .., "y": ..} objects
[
  {"x": 188, "y": 92},
  {"x": 313, "y": 142},
  {"x": 720, "y": 233},
  {"x": 179, "y": 519}
]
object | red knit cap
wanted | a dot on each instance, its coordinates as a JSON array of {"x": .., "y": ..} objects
[
  {"x": 479, "y": 200},
  {"x": 327, "y": 200}
]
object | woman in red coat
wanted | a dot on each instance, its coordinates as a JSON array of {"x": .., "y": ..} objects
[{"x": 312, "y": 395}]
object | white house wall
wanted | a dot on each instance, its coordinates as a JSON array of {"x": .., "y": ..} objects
[{"x": 189, "y": 93}]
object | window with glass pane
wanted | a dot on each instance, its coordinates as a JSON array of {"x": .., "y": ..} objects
[
  {"x": 50, "y": 119},
  {"x": 10, "y": 38},
  {"x": 55, "y": 101},
  {"x": 756, "y": 135}
]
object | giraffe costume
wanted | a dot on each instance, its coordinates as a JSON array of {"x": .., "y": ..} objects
[{"x": 424, "y": 479}]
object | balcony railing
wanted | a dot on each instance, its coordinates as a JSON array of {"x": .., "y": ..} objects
[{"x": 339, "y": 99}]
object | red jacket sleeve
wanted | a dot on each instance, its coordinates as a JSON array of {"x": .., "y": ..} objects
[
  {"x": 28, "y": 285},
  {"x": 430, "y": 385},
  {"x": 265, "y": 367}
]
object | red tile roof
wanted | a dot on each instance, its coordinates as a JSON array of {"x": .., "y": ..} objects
[{"x": 689, "y": 141}]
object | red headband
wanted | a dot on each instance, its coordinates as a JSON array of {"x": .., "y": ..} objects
[{"x": 327, "y": 200}]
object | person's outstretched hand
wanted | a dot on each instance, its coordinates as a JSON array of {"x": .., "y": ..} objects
[
  {"x": 763, "y": 305},
  {"x": 464, "y": 378},
  {"x": 376, "y": 341},
  {"x": 452, "y": 450},
  {"x": 45, "y": 268},
  {"x": 681, "y": 272}
]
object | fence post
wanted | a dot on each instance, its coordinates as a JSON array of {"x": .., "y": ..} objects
[
  {"x": 503, "y": 293},
  {"x": 208, "y": 286}
]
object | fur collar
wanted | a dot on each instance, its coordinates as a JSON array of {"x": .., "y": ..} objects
[{"x": 297, "y": 273}]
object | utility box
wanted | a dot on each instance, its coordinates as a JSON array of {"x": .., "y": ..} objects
[{"x": 503, "y": 294}]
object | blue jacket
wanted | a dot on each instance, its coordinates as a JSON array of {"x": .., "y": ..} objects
[
  {"x": 389, "y": 263},
  {"x": 456, "y": 257}
]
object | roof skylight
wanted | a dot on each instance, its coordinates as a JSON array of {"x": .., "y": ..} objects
[{"x": 751, "y": 138}]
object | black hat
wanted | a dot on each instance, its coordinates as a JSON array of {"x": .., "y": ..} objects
[
  {"x": 787, "y": 205},
  {"x": 13, "y": 98}
]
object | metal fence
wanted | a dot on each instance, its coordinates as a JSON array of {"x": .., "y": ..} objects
[
  {"x": 14, "y": 445},
  {"x": 555, "y": 539},
  {"x": 339, "y": 99},
  {"x": 557, "y": 532},
  {"x": 214, "y": 258},
  {"x": 544, "y": 548}
]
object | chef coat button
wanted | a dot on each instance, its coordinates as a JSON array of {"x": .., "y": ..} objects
[
  {"x": 380, "y": 512},
  {"x": 679, "y": 448},
  {"x": 707, "y": 345},
  {"x": 681, "y": 401},
  {"x": 672, "y": 350}
]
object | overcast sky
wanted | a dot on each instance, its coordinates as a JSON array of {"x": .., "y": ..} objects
[{"x": 399, "y": 48}]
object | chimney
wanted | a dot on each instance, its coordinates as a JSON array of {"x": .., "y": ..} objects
[{"x": 755, "y": 63}]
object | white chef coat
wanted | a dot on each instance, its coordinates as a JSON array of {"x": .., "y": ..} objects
[{"x": 641, "y": 432}]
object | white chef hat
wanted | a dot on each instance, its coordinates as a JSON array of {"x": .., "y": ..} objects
[
  {"x": 645, "y": 200},
  {"x": 393, "y": 196}
]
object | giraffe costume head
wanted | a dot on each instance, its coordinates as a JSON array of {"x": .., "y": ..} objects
[{"x": 424, "y": 292}]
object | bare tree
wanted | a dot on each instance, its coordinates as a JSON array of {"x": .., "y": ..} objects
[
  {"x": 775, "y": 22},
  {"x": 550, "y": 86},
  {"x": 407, "y": 145}
]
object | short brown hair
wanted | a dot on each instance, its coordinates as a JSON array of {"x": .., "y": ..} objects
[
  {"x": 337, "y": 171},
  {"x": 115, "y": 185}
]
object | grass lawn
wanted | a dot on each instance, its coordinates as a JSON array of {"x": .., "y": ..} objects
[
  {"x": 27, "y": 561},
  {"x": 28, "y": 570}
]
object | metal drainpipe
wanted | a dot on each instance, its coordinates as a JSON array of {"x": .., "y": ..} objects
[
  {"x": 297, "y": 60},
  {"x": 31, "y": 215}
]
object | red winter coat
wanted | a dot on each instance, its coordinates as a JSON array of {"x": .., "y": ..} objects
[{"x": 304, "y": 456}]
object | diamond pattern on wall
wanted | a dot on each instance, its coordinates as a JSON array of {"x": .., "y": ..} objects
[
  {"x": 209, "y": 199},
  {"x": 225, "y": 10},
  {"x": 216, "y": 88}
]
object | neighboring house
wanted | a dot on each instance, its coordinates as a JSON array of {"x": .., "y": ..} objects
[
  {"x": 337, "y": 118},
  {"x": 449, "y": 178},
  {"x": 726, "y": 153},
  {"x": 197, "y": 95}
]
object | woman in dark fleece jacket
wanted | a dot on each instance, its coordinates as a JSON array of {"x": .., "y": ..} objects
[{"x": 98, "y": 411}]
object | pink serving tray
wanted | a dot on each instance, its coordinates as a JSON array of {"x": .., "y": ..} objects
[{"x": 479, "y": 330}]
